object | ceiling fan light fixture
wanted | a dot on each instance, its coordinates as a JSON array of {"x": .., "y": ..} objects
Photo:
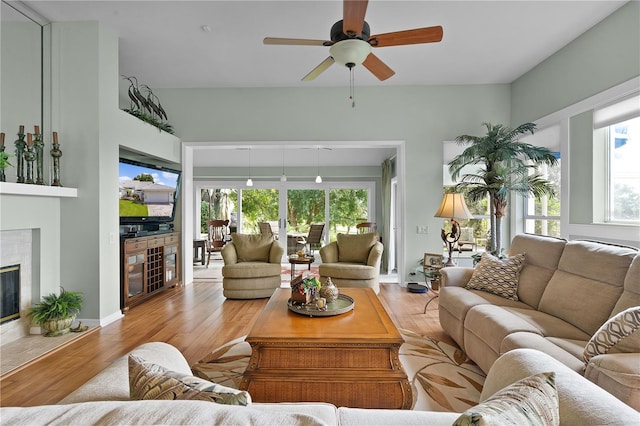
[
  {"x": 318, "y": 177},
  {"x": 351, "y": 52}
]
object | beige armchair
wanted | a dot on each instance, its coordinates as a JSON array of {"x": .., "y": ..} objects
[
  {"x": 352, "y": 261},
  {"x": 251, "y": 266}
]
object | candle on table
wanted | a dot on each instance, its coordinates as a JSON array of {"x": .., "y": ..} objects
[
  {"x": 36, "y": 129},
  {"x": 1, "y": 139},
  {"x": 29, "y": 141},
  {"x": 21, "y": 131},
  {"x": 55, "y": 138},
  {"x": 321, "y": 303}
]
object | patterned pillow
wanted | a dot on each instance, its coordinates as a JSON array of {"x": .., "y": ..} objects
[
  {"x": 530, "y": 401},
  {"x": 497, "y": 276},
  {"x": 612, "y": 332},
  {"x": 152, "y": 381}
]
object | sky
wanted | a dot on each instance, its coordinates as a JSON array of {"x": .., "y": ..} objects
[{"x": 129, "y": 171}]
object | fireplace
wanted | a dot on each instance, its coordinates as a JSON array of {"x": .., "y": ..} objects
[
  {"x": 9, "y": 293},
  {"x": 18, "y": 289}
]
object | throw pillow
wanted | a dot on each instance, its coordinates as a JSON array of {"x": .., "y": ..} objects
[
  {"x": 618, "y": 327},
  {"x": 530, "y": 401},
  {"x": 252, "y": 247},
  {"x": 497, "y": 276},
  {"x": 152, "y": 381},
  {"x": 355, "y": 248}
]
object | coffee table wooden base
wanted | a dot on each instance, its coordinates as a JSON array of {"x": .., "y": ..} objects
[{"x": 340, "y": 365}]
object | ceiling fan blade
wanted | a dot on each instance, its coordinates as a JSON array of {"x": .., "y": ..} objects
[
  {"x": 377, "y": 67},
  {"x": 319, "y": 69},
  {"x": 296, "y": 41},
  {"x": 398, "y": 38},
  {"x": 353, "y": 17}
]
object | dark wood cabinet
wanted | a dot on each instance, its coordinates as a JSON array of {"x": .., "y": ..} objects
[{"x": 150, "y": 264}]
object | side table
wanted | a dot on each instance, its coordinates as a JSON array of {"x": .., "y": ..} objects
[
  {"x": 432, "y": 281},
  {"x": 199, "y": 246},
  {"x": 300, "y": 261}
]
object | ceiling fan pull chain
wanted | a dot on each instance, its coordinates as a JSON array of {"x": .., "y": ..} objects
[{"x": 352, "y": 89}]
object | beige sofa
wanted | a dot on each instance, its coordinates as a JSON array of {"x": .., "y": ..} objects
[
  {"x": 352, "y": 261},
  {"x": 105, "y": 400},
  {"x": 251, "y": 266},
  {"x": 566, "y": 291}
]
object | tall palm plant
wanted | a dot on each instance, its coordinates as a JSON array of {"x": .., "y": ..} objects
[{"x": 505, "y": 165}]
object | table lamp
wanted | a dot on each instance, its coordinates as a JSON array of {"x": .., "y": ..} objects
[{"x": 452, "y": 207}]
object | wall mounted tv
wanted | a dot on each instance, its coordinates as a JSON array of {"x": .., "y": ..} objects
[{"x": 148, "y": 193}]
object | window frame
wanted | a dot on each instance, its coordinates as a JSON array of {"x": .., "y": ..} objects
[
  {"x": 608, "y": 190},
  {"x": 528, "y": 200}
]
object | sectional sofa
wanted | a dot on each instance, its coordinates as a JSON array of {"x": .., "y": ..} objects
[
  {"x": 105, "y": 399},
  {"x": 577, "y": 301}
]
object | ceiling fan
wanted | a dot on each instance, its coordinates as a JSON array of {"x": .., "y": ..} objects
[{"x": 351, "y": 42}]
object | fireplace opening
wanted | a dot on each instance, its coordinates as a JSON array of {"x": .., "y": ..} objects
[{"x": 9, "y": 293}]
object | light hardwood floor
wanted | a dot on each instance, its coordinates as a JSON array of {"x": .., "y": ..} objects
[{"x": 195, "y": 319}]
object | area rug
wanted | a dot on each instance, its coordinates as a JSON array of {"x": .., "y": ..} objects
[
  {"x": 441, "y": 375},
  {"x": 300, "y": 269}
]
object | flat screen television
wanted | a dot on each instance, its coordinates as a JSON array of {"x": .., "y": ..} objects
[{"x": 148, "y": 192}]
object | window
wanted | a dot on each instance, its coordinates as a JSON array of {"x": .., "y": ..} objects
[
  {"x": 619, "y": 123},
  {"x": 542, "y": 215},
  {"x": 474, "y": 230},
  {"x": 623, "y": 186}
]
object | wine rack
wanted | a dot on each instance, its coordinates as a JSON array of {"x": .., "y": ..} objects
[{"x": 150, "y": 264}]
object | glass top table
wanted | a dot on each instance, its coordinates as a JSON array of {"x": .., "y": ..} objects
[{"x": 432, "y": 281}]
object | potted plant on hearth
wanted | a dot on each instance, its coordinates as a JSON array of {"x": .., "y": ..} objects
[{"x": 56, "y": 312}]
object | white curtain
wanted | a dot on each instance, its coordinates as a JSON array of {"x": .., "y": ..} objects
[{"x": 386, "y": 212}]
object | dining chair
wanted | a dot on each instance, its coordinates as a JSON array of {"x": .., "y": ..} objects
[
  {"x": 366, "y": 227},
  {"x": 313, "y": 240},
  {"x": 218, "y": 230}
]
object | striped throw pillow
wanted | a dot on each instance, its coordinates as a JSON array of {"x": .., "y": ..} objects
[
  {"x": 152, "y": 381},
  {"x": 530, "y": 401}
]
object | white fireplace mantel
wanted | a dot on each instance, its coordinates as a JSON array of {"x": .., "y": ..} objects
[{"x": 10, "y": 188}]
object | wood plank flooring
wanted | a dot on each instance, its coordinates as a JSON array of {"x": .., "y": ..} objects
[{"x": 195, "y": 319}]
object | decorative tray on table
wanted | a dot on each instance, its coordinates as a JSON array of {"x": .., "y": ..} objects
[{"x": 339, "y": 306}]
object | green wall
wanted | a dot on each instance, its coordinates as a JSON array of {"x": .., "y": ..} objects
[
  {"x": 598, "y": 67},
  {"x": 421, "y": 116},
  {"x": 604, "y": 56}
]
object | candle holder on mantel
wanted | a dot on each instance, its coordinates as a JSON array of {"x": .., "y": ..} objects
[
  {"x": 29, "y": 157},
  {"x": 39, "y": 149},
  {"x": 20, "y": 147},
  {"x": 56, "y": 153}
]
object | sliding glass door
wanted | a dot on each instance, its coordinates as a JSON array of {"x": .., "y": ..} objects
[
  {"x": 259, "y": 205},
  {"x": 303, "y": 207},
  {"x": 290, "y": 208}
]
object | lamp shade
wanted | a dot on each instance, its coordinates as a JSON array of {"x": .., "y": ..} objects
[
  {"x": 453, "y": 207},
  {"x": 351, "y": 51}
]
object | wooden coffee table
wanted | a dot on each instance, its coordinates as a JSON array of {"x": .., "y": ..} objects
[{"x": 348, "y": 360}]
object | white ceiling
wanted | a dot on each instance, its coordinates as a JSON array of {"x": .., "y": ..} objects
[{"x": 163, "y": 43}]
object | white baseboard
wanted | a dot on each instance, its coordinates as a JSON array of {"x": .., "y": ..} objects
[
  {"x": 111, "y": 318},
  {"x": 102, "y": 321}
]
